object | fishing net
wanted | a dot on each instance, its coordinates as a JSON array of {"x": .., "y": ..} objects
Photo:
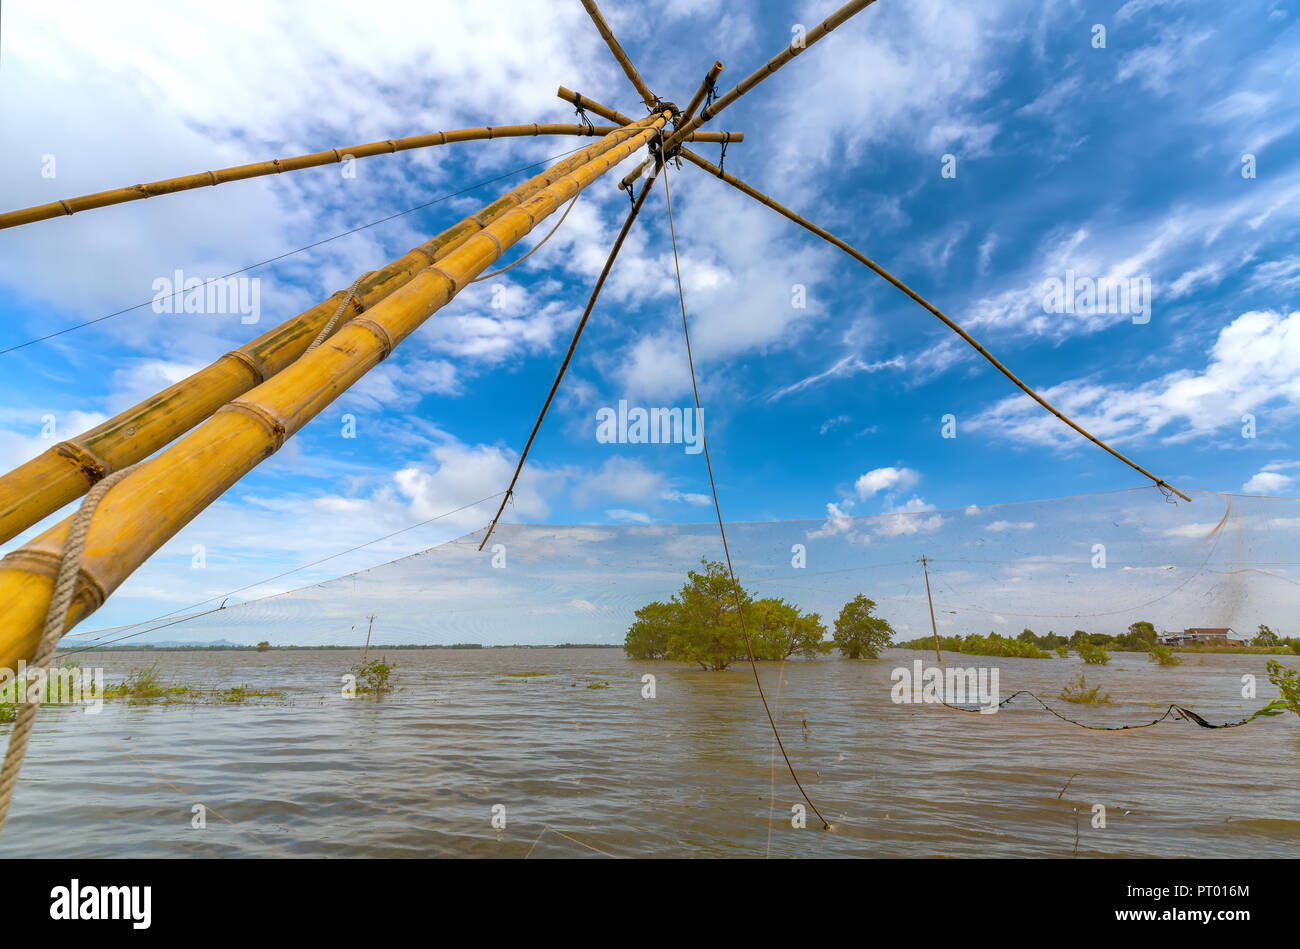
[{"x": 1097, "y": 562}]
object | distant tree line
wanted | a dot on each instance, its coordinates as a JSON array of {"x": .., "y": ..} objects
[
  {"x": 700, "y": 625},
  {"x": 1141, "y": 636}
]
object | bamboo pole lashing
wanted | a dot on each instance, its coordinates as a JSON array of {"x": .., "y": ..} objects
[
  {"x": 275, "y": 166},
  {"x": 168, "y": 490},
  {"x": 613, "y": 115},
  {"x": 710, "y": 80},
  {"x": 64, "y": 472}
]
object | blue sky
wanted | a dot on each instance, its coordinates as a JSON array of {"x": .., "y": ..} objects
[{"x": 1117, "y": 162}]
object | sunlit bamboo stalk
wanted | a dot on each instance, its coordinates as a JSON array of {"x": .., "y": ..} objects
[
  {"x": 66, "y": 470},
  {"x": 611, "y": 41},
  {"x": 167, "y": 491},
  {"x": 203, "y": 179}
]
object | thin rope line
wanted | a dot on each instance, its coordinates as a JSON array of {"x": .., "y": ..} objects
[
  {"x": 735, "y": 586},
  {"x": 771, "y": 801},
  {"x": 560, "y": 833},
  {"x": 338, "y": 312},
  {"x": 926, "y": 304},
  {"x": 1173, "y": 709},
  {"x": 573, "y": 345},
  {"x": 497, "y": 273}
]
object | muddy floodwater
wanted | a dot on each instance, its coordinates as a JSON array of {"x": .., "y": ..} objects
[{"x": 574, "y": 771}]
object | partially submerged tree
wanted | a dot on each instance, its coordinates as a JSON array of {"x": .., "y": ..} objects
[
  {"x": 779, "y": 630},
  {"x": 858, "y": 634},
  {"x": 700, "y": 625}
]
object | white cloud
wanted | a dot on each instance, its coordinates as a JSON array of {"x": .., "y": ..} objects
[
  {"x": 1270, "y": 479},
  {"x": 885, "y": 479},
  {"x": 1267, "y": 482},
  {"x": 1254, "y": 362},
  {"x": 998, "y": 527}
]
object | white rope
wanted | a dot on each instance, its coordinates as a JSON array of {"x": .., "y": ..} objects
[{"x": 65, "y": 588}]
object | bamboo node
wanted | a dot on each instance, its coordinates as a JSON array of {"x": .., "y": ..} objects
[
  {"x": 272, "y": 424},
  {"x": 45, "y": 564},
  {"x": 66, "y": 209},
  {"x": 91, "y": 465},
  {"x": 495, "y": 240},
  {"x": 253, "y": 365},
  {"x": 455, "y": 285},
  {"x": 379, "y": 331}
]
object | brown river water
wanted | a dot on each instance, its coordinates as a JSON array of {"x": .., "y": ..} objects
[{"x": 693, "y": 771}]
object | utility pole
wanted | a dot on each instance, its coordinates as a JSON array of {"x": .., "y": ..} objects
[
  {"x": 924, "y": 562},
  {"x": 372, "y": 626}
]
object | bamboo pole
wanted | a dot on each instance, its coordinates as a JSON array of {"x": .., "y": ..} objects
[
  {"x": 674, "y": 140},
  {"x": 66, "y": 471},
  {"x": 85, "y": 202},
  {"x": 605, "y": 112},
  {"x": 862, "y": 258},
  {"x": 166, "y": 492},
  {"x": 710, "y": 79},
  {"x": 648, "y": 97}
]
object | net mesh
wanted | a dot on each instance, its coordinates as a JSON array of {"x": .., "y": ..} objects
[{"x": 1096, "y": 562}]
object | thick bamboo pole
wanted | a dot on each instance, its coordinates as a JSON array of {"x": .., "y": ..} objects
[
  {"x": 671, "y": 142},
  {"x": 605, "y": 112},
  {"x": 710, "y": 79},
  {"x": 926, "y": 304},
  {"x": 167, "y": 491},
  {"x": 66, "y": 471},
  {"x": 203, "y": 179},
  {"x": 648, "y": 97}
]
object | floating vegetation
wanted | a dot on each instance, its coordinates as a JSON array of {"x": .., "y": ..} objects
[
  {"x": 373, "y": 677},
  {"x": 1164, "y": 655},
  {"x": 1079, "y": 693},
  {"x": 1093, "y": 655},
  {"x": 242, "y": 693},
  {"x": 66, "y": 683},
  {"x": 144, "y": 685},
  {"x": 977, "y": 645},
  {"x": 602, "y": 684}
]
